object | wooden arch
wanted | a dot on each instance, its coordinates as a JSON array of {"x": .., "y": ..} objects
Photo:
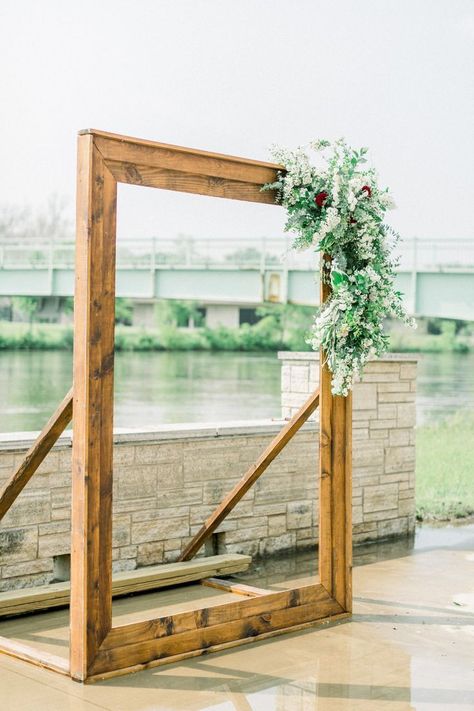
[{"x": 97, "y": 649}]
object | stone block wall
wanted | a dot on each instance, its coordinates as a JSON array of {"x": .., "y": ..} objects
[
  {"x": 383, "y": 438},
  {"x": 167, "y": 481}
]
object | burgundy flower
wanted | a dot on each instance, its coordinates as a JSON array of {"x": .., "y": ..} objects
[
  {"x": 352, "y": 221},
  {"x": 366, "y": 188},
  {"x": 321, "y": 198}
]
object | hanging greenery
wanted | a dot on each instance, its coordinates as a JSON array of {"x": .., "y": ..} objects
[{"x": 336, "y": 207}]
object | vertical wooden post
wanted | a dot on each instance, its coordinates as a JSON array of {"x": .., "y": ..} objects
[
  {"x": 335, "y": 493},
  {"x": 94, "y": 309}
]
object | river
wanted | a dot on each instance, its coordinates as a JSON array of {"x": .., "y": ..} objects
[{"x": 157, "y": 388}]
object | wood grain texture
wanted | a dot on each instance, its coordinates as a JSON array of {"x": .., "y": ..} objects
[
  {"x": 167, "y": 179},
  {"x": 207, "y": 617},
  {"x": 97, "y": 649},
  {"x": 38, "y": 657},
  {"x": 335, "y": 497},
  {"x": 94, "y": 318},
  {"x": 251, "y": 476},
  {"x": 137, "y": 151},
  {"x": 329, "y": 619},
  {"x": 48, "y": 436},
  {"x": 206, "y": 638},
  {"x": 233, "y": 586},
  {"x": 207, "y": 627}
]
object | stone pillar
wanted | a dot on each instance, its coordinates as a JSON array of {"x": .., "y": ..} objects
[{"x": 383, "y": 438}]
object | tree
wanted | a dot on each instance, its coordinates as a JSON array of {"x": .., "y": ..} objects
[
  {"x": 27, "y": 305},
  {"x": 23, "y": 224}
]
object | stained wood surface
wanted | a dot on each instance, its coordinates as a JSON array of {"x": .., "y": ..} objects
[
  {"x": 204, "y": 628},
  {"x": 14, "y": 602},
  {"x": 50, "y": 433},
  {"x": 37, "y": 657},
  {"x": 114, "y": 146},
  {"x": 335, "y": 497},
  {"x": 161, "y": 165},
  {"x": 94, "y": 318},
  {"x": 96, "y": 649},
  {"x": 331, "y": 618},
  {"x": 153, "y": 177},
  {"x": 235, "y": 587},
  {"x": 251, "y": 476}
]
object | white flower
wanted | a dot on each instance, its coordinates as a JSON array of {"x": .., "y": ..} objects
[{"x": 365, "y": 292}]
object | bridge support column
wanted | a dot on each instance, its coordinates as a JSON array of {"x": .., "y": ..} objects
[
  {"x": 222, "y": 315},
  {"x": 144, "y": 314}
]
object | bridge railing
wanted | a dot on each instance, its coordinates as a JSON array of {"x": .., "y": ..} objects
[{"x": 260, "y": 253}]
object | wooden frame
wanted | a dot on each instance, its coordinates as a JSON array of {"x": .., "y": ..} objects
[{"x": 97, "y": 649}]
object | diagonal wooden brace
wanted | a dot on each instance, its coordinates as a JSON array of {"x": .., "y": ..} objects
[
  {"x": 251, "y": 476},
  {"x": 55, "y": 426}
]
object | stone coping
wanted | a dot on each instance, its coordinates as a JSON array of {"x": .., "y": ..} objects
[
  {"x": 15, "y": 441},
  {"x": 314, "y": 355}
]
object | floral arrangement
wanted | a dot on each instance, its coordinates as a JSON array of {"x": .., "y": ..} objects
[{"x": 337, "y": 208}]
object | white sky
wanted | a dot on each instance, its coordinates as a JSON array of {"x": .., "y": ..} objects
[{"x": 235, "y": 77}]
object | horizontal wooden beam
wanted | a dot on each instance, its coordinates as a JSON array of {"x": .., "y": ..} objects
[
  {"x": 251, "y": 476},
  {"x": 38, "y": 657},
  {"x": 153, "y": 177},
  {"x": 207, "y": 617},
  {"x": 223, "y": 646},
  {"x": 36, "y": 454},
  {"x": 153, "y": 577},
  {"x": 136, "y": 151},
  {"x": 205, "y": 628}
]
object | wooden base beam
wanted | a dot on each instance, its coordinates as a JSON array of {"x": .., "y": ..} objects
[{"x": 39, "y": 658}]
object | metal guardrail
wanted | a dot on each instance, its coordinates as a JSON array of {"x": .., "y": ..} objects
[{"x": 263, "y": 254}]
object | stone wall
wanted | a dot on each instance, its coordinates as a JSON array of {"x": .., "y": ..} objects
[
  {"x": 167, "y": 481},
  {"x": 383, "y": 438}
]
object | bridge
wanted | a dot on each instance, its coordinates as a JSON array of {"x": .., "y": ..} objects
[{"x": 436, "y": 277}]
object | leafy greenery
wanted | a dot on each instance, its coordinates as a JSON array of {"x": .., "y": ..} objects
[
  {"x": 445, "y": 469},
  {"x": 338, "y": 209},
  {"x": 27, "y": 305},
  {"x": 449, "y": 338},
  {"x": 281, "y": 327}
]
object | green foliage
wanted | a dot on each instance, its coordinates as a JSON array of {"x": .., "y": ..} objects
[
  {"x": 178, "y": 313},
  {"x": 27, "y": 305},
  {"x": 445, "y": 468},
  {"x": 280, "y": 328},
  {"x": 23, "y": 336},
  {"x": 123, "y": 311},
  {"x": 338, "y": 209}
]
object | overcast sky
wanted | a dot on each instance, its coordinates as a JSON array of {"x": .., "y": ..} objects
[{"x": 235, "y": 77}]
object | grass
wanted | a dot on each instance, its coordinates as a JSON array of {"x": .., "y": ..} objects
[{"x": 445, "y": 469}]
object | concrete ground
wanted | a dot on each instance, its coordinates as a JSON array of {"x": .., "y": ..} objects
[{"x": 409, "y": 645}]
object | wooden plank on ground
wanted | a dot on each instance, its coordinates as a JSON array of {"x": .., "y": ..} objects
[
  {"x": 251, "y": 476},
  {"x": 50, "y": 433},
  {"x": 132, "y": 581}
]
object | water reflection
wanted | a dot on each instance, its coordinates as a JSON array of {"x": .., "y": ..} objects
[{"x": 157, "y": 388}]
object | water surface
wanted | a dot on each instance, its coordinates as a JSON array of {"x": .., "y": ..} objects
[{"x": 157, "y": 388}]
